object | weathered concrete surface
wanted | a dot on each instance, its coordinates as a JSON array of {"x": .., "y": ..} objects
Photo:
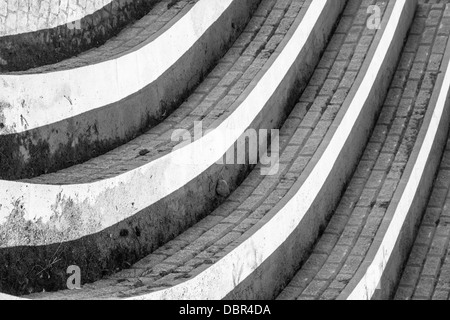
[
  {"x": 351, "y": 255},
  {"x": 312, "y": 199},
  {"x": 292, "y": 67},
  {"x": 415, "y": 238},
  {"x": 36, "y": 33},
  {"x": 192, "y": 190},
  {"x": 54, "y": 120},
  {"x": 27, "y": 269}
]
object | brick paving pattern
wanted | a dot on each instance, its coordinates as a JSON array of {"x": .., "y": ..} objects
[
  {"x": 340, "y": 250},
  {"x": 25, "y": 42},
  {"x": 216, "y": 235},
  {"x": 210, "y": 101},
  {"x": 427, "y": 272},
  {"x": 128, "y": 40}
]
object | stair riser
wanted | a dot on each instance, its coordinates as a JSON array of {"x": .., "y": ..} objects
[
  {"x": 399, "y": 228},
  {"x": 108, "y": 108},
  {"x": 296, "y": 247},
  {"x": 25, "y": 43}
]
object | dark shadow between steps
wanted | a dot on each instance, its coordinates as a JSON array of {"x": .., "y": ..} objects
[{"x": 48, "y": 46}]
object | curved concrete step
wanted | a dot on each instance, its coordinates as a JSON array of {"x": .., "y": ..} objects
[
  {"x": 360, "y": 254},
  {"x": 51, "y": 120},
  {"x": 382, "y": 269},
  {"x": 425, "y": 275},
  {"x": 249, "y": 250},
  {"x": 130, "y": 214},
  {"x": 43, "y": 32},
  {"x": 423, "y": 216},
  {"x": 19, "y": 17}
]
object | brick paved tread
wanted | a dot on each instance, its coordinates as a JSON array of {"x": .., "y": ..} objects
[
  {"x": 270, "y": 23},
  {"x": 95, "y": 108},
  {"x": 427, "y": 271},
  {"x": 210, "y": 101},
  {"x": 426, "y": 274},
  {"x": 37, "y": 33},
  {"x": 20, "y": 17},
  {"x": 342, "y": 247}
]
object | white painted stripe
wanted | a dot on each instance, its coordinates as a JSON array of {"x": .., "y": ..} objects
[
  {"x": 366, "y": 287},
  {"x": 107, "y": 202},
  {"x": 222, "y": 277},
  {"x": 47, "y": 98},
  {"x": 9, "y": 297}
]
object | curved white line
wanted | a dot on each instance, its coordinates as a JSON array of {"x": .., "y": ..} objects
[
  {"x": 222, "y": 277},
  {"x": 110, "y": 201},
  {"x": 9, "y": 297},
  {"x": 218, "y": 280},
  {"x": 14, "y": 24},
  {"x": 47, "y": 98},
  {"x": 366, "y": 287}
]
